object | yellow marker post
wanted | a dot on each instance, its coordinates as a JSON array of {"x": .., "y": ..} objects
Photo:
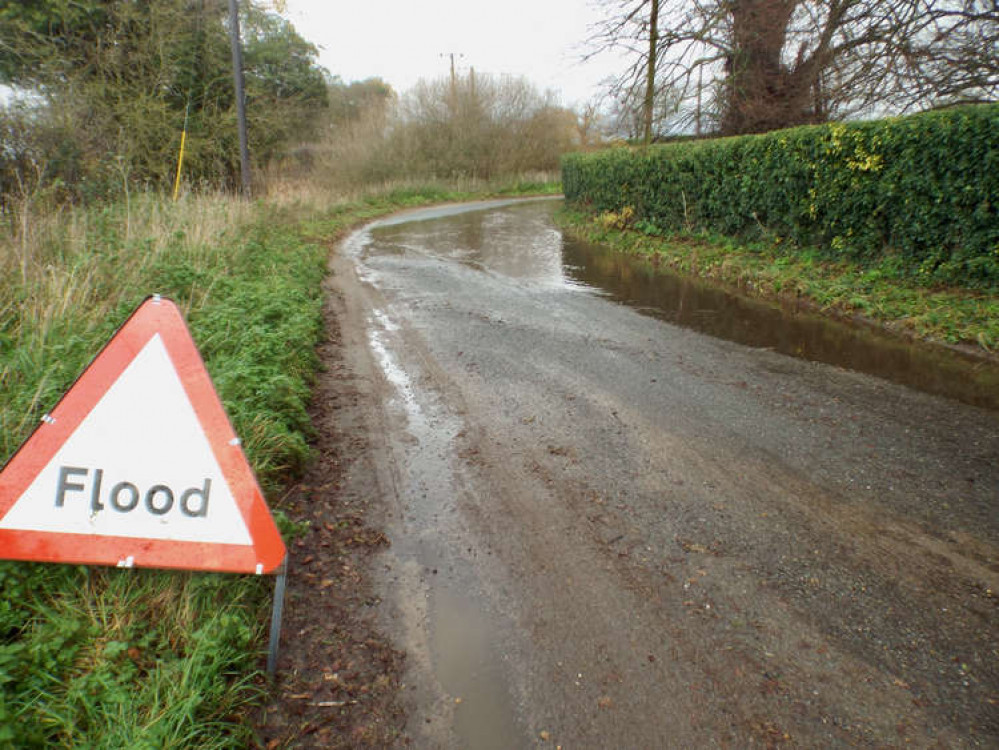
[{"x": 180, "y": 156}]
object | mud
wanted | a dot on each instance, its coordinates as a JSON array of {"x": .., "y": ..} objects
[{"x": 338, "y": 675}]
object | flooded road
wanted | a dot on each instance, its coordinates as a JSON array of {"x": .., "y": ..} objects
[
  {"x": 611, "y": 530},
  {"x": 697, "y": 304}
]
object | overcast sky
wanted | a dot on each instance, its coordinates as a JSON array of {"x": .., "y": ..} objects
[{"x": 402, "y": 41}]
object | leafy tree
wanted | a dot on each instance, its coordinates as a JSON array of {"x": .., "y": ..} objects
[
  {"x": 755, "y": 65},
  {"x": 286, "y": 91},
  {"x": 123, "y": 76},
  {"x": 41, "y": 39}
]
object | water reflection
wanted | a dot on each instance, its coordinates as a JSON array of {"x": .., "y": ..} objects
[
  {"x": 520, "y": 241},
  {"x": 638, "y": 283},
  {"x": 516, "y": 241}
]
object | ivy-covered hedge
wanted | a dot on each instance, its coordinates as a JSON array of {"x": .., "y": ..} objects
[{"x": 922, "y": 189}]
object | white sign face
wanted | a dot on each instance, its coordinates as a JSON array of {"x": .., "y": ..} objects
[{"x": 138, "y": 466}]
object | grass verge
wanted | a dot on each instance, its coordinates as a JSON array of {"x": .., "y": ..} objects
[
  {"x": 106, "y": 658},
  {"x": 879, "y": 293}
]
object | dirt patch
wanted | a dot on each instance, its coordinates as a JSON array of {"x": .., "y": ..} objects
[{"x": 338, "y": 676}]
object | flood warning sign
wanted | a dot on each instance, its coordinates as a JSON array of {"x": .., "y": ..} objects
[{"x": 138, "y": 464}]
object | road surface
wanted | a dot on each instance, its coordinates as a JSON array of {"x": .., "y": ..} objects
[{"x": 611, "y": 532}]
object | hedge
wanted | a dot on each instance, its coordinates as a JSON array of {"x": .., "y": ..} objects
[{"x": 923, "y": 190}]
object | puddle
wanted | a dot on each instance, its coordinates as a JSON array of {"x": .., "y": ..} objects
[
  {"x": 463, "y": 647},
  {"x": 515, "y": 240},
  {"x": 462, "y": 638},
  {"x": 634, "y": 281}
]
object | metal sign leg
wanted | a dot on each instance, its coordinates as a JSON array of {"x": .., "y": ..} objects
[{"x": 279, "y": 585}]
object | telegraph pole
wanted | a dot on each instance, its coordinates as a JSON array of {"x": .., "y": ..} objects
[
  {"x": 454, "y": 75},
  {"x": 237, "y": 74}
]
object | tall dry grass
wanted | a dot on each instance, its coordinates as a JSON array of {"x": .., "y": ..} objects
[
  {"x": 55, "y": 259},
  {"x": 66, "y": 272}
]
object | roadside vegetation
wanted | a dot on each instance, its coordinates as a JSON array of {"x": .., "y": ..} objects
[
  {"x": 894, "y": 220},
  {"x": 108, "y": 658}
]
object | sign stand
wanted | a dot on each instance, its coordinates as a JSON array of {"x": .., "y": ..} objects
[{"x": 276, "y": 612}]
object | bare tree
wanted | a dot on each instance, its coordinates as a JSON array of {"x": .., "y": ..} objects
[
  {"x": 590, "y": 125},
  {"x": 472, "y": 126},
  {"x": 775, "y": 63},
  {"x": 650, "y": 70},
  {"x": 630, "y": 116}
]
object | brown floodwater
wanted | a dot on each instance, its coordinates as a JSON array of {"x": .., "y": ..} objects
[{"x": 637, "y": 282}]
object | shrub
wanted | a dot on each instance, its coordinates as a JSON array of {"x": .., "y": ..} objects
[{"x": 923, "y": 188}]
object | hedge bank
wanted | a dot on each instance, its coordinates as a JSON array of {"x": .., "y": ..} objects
[{"x": 922, "y": 191}]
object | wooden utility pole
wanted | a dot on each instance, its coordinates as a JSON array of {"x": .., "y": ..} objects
[
  {"x": 454, "y": 75},
  {"x": 237, "y": 74}
]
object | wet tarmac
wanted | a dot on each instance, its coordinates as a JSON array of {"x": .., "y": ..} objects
[{"x": 609, "y": 529}]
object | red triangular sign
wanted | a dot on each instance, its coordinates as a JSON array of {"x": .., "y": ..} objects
[{"x": 138, "y": 465}]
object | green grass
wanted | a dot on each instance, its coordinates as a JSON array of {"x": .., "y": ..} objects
[
  {"x": 107, "y": 658},
  {"x": 880, "y": 291},
  {"x": 141, "y": 659}
]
